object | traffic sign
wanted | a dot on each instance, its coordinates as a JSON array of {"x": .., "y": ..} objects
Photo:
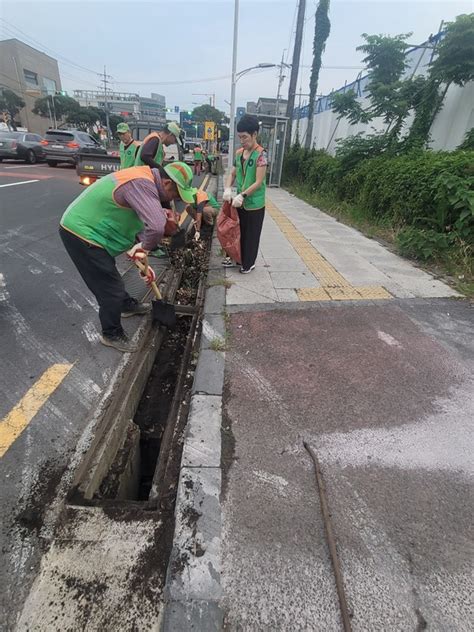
[{"x": 209, "y": 130}]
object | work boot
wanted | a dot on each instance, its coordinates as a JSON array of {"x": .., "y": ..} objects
[
  {"x": 136, "y": 309},
  {"x": 121, "y": 342}
]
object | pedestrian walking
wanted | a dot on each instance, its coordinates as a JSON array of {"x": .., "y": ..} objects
[
  {"x": 152, "y": 150},
  {"x": 128, "y": 147},
  {"x": 249, "y": 172},
  {"x": 105, "y": 220}
]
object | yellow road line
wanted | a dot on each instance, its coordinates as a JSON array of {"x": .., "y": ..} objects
[
  {"x": 20, "y": 416},
  {"x": 334, "y": 286},
  {"x": 204, "y": 182}
]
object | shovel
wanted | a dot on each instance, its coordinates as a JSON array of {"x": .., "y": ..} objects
[{"x": 163, "y": 313}]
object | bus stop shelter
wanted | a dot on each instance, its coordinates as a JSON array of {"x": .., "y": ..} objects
[{"x": 272, "y": 138}]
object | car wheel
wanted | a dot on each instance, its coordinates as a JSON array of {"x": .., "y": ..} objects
[
  {"x": 1, "y": 159},
  {"x": 52, "y": 163},
  {"x": 31, "y": 157}
]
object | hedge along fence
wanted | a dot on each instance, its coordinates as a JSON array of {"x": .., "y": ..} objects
[{"x": 401, "y": 189}]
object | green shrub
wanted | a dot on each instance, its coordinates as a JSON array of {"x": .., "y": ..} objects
[
  {"x": 468, "y": 142},
  {"x": 405, "y": 187},
  {"x": 354, "y": 149},
  {"x": 423, "y": 188},
  {"x": 423, "y": 244}
]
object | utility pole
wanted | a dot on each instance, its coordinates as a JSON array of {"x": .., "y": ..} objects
[
  {"x": 280, "y": 82},
  {"x": 295, "y": 68},
  {"x": 232, "y": 89},
  {"x": 212, "y": 97},
  {"x": 105, "y": 81},
  {"x": 277, "y": 114}
]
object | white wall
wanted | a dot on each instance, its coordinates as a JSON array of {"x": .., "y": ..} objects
[{"x": 447, "y": 132}]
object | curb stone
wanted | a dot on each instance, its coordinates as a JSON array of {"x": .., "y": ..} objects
[{"x": 193, "y": 582}]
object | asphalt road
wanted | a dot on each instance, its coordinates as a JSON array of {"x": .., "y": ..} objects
[{"x": 49, "y": 345}]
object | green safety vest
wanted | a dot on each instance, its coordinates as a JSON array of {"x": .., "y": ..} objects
[
  {"x": 96, "y": 217},
  {"x": 127, "y": 154},
  {"x": 197, "y": 155},
  {"x": 213, "y": 202},
  {"x": 246, "y": 175},
  {"x": 159, "y": 154}
]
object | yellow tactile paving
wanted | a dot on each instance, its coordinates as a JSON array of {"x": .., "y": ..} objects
[
  {"x": 334, "y": 286},
  {"x": 313, "y": 294}
]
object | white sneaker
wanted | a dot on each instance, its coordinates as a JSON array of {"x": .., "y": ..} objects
[
  {"x": 228, "y": 263},
  {"x": 243, "y": 271}
]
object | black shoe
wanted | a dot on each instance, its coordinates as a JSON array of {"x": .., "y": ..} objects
[
  {"x": 136, "y": 309},
  {"x": 246, "y": 271},
  {"x": 121, "y": 342}
]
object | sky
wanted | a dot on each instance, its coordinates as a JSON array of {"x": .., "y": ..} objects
[{"x": 183, "y": 49}]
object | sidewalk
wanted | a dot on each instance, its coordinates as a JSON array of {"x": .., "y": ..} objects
[{"x": 335, "y": 341}]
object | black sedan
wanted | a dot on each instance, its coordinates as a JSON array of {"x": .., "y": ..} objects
[
  {"x": 64, "y": 146},
  {"x": 21, "y": 146}
]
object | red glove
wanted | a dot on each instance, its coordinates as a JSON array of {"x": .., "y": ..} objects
[{"x": 149, "y": 277}]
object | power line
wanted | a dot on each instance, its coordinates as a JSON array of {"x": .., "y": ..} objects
[
  {"x": 171, "y": 83},
  {"x": 11, "y": 28}
]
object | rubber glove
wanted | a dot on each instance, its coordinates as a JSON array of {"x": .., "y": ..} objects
[
  {"x": 137, "y": 251},
  {"x": 238, "y": 201},
  {"x": 227, "y": 194},
  {"x": 149, "y": 277}
]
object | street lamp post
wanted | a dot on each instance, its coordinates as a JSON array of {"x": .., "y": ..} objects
[
  {"x": 234, "y": 81},
  {"x": 235, "y": 78}
]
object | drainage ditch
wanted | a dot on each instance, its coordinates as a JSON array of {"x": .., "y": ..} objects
[{"x": 148, "y": 439}]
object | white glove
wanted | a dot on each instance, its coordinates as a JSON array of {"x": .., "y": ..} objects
[
  {"x": 137, "y": 249},
  {"x": 227, "y": 194},
  {"x": 238, "y": 200},
  {"x": 197, "y": 236}
]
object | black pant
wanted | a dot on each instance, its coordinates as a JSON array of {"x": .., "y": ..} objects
[
  {"x": 98, "y": 270},
  {"x": 251, "y": 223}
]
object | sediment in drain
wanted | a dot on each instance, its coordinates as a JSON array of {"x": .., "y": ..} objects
[{"x": 131, "y": 474}]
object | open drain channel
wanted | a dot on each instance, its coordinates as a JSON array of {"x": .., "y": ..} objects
[{"x": 135, "y": 457}]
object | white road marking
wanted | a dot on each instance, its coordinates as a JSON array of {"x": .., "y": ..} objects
[
  {"x": 34, "y": 270},
  {"x": 389, "y": 340},
  {"x": 90, "y": 332},
  {"x": 23, "y": 167},
  {"x": 274, "y": 480},
  {"x": 14, "y": 184},
  {"x": 67, "y": 299},
  {"x": 3, "y": 293}
]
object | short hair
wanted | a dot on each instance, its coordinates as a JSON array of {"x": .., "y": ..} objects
[{"x": 249, "y": 124}]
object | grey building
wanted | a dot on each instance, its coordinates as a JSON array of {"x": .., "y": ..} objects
[
  {"x": 129, "y": 105},
  {"x": 251, "y": 107},
  {"x": 153, "y": 109},
  {"x": 267, "y": 105},
  {"x": 126, "y": 104},
  {"x": 31, "y": 74}
]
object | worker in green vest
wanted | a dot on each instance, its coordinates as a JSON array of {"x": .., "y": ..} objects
[
  {"x": 249, "y": 171},
  {"x": 204, "y": 208},
  {"x": 104, "y": 221},
  {"x": 197, "y": 158},
  {"x": 128, "y": 147},
  {"x": 152, "y": 150}
]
